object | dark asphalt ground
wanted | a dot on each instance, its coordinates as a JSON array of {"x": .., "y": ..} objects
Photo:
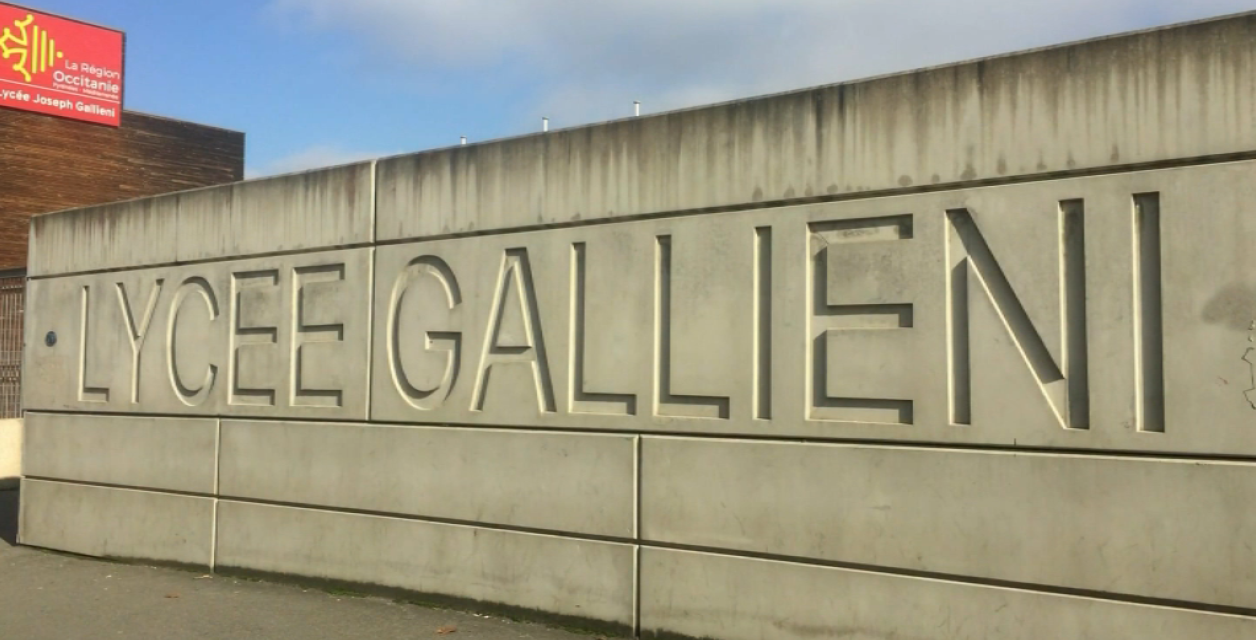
[{"x": 47, "y": 596}]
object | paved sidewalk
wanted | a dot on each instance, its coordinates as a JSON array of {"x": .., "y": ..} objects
[{"x": 58, "y": 597}]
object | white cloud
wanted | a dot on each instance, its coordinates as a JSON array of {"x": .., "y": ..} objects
[
  {"x": 312, "y": 158},
  {"x": 591, "y": 59}
]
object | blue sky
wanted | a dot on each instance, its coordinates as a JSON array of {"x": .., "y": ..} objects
[{"x": 317, "y": 82}]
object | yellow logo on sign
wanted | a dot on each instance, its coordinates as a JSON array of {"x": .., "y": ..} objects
[{"x": 34, "y": 49}]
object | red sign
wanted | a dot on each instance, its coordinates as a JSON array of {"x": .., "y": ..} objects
[{"x": 60, "y": 67}]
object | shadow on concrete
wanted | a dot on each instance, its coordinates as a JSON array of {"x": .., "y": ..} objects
[{"x": 9, "y": 501}]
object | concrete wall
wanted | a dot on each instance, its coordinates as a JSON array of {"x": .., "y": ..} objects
[{"x": 962, "y": 353}]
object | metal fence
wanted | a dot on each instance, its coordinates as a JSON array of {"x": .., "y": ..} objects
[{"x": 12, "y": 304}]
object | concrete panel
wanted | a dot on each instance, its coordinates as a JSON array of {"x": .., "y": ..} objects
[
  {"x": 320, "y": 209},
  {"x": 206, "y": 219},
  {"x": 581, "y": 483},
  {"x": 1139, "y": 98},
  {"x": 10, "y": 453},
  {"x": 283, "y": 336},
  {"x": 117, "y": 523},
  {"x": 1084, "y": 522},
  {"x": 175, "y": 454},
  {"x": 1073, "y": 313},
  {"x": 711, "y": 596},
  {"x": 134, "y": 233},
  {"x": 586, "y": 579}
]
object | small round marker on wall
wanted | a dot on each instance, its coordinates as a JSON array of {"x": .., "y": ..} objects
[{"x": 50, "y": 338}]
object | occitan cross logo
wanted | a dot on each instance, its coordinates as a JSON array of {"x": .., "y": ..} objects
[{"x": 35, "y": 51}]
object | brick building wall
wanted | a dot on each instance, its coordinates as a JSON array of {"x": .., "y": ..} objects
[{"x": 49, "y": 164}]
